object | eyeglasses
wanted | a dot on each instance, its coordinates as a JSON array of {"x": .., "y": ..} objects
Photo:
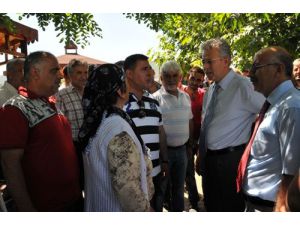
[
  {"x": 209, "y": 61},
  {"x": 142, "y": 112},
  {"x": 255, "y": 67}
]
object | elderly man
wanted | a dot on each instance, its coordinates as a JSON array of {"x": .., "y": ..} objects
[
  {"x": 37, "y": 153},
  {"x": 272, "y": 156},
  {"x": 14, "y": 74},
  {"x": 177, "y": 120},
  {"x": 296, "y": 73},
  {"x": 68, "y": 101},
  {"x": 229, "y": 109}
]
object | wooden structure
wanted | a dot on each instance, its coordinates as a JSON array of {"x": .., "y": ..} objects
[{"x": 14, "y": 42}]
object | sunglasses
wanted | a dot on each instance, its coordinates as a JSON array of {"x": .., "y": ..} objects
[{"x": 142, "y": 112}]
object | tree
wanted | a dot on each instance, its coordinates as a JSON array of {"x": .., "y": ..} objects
[
  {"x": 69, "y": 26},
  {"x": 182, "y": 34}
]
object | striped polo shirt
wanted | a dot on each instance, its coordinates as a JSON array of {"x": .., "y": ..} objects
[{"x": 146, "y": 115}]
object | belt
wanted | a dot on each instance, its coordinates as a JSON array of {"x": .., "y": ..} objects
[
  {"x": 226, "y": 150},
  {"x": 176, "y": 147},
  {"x": 259, "y": 201}
]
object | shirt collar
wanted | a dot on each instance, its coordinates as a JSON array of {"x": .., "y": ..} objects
[
  {"x": 29, "y": 94},
  {"x": 164, "y": 92},
  {"x": 133, "y": 96},
  {"x": 224, "y": 83},
  {"x": 279, "y": 91}
]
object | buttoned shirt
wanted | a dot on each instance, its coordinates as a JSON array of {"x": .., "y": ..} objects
[
  {"x": 176, "y": 113},
  {"x": 237, "y": 105},
  {"x": 6, "y": 92},
  {"x": 68, "y": 101},
  {"x": 275, "y": 150}
]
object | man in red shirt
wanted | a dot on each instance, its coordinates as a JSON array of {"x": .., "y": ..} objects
[
  {"x": 196, "y": 93},
  {"x": 37, "y": 153}
]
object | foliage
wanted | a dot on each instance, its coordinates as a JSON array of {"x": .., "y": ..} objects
[
  {"x": 182, "y": 34},
  {"x": 69, "y": 26}
]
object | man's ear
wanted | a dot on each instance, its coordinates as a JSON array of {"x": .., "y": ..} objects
[
  {"x": 227, "y": 60},
  {"x": 122, "y": 94},
  {"x": 119, "y": 92},
  {"x": 129, "y": 74}
]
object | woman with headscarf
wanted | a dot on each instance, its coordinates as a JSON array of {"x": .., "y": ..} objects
[{"x": 117, "y": 167}]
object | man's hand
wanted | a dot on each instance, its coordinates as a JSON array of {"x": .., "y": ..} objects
[
  {"x": 165, "y": 168},
  {"x": 197, "y": 165}
]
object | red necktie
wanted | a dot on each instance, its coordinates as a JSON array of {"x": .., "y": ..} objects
[{"x": 244, "y": 160}]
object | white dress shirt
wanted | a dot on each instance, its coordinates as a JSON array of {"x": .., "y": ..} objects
[{"x": 235, "y": 110}]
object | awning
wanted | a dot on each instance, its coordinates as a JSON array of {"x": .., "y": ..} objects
[
  {"x": 65, "y": 59},
  {"x": 15, "y": 42}
]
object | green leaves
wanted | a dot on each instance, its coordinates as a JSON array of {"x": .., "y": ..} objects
[
  {"x": 182, "y": 34},
  {"x": 69, "y": 26}
]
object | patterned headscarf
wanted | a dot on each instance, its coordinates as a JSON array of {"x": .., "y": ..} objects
[{"x": 102, "y": 85}]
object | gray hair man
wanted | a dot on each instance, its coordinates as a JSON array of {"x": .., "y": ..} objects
[{"x": 229, "y": 109}]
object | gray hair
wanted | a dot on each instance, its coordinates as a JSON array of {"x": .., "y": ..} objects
[
  {"x": 170, "y": 66},
  {"x": 296, "y": 61},
  {"x": 75, "y": 62},
  {"x": 219, "y": 43}
]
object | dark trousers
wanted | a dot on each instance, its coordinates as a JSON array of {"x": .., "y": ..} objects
[
  {"x": 159, "y": 192},
  {"x": 177, "y": 171},
  {"x": 190, "y": 182},
  {"x": 219, "y": 182}
]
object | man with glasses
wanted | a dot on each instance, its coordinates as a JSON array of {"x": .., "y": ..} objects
[
  {"x": 273, "y": 157},
  {"x": 146, "y": 114},
  {"x": 229, "y": 109}
]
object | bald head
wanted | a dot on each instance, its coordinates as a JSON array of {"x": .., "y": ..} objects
[
  {"x": 272, "y": 66},
  {"x": 42, "y": 73},
  {"x": 279, "y": 55},
  {"x": 14, "y": 72}
]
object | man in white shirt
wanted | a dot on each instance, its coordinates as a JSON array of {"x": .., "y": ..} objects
[
  {"x": 229, "y": 109},
  {"x": 178, "y": 123},
  {"x": 14, "y": 74}
]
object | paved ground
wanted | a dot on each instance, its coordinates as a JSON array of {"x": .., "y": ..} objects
[{"x": 186, "y": 199}]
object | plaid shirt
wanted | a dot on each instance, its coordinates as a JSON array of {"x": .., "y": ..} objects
[{"x": 68, "y": 101}]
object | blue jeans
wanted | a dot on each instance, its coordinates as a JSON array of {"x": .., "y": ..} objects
[{"x": 177, "y": 172}]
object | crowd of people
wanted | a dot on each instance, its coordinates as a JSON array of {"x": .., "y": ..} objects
[{"x": 115, "y": 140}]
